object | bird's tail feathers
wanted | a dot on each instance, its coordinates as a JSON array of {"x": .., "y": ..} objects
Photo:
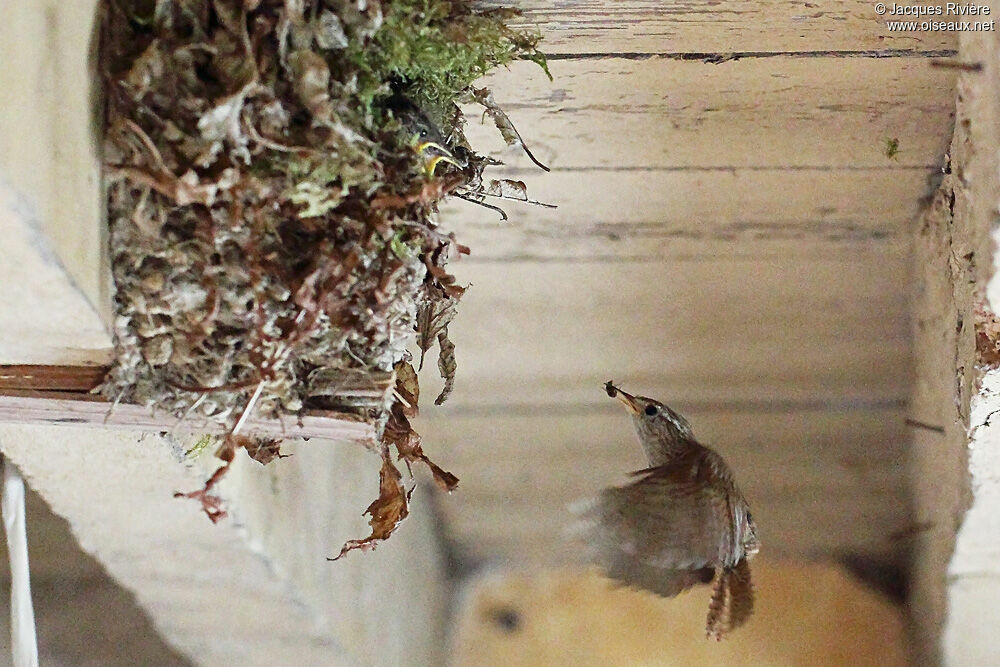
[{"x": 732, "y": 600}]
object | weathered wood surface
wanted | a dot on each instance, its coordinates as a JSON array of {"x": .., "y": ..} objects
[
  {"x": 797, "y": 327},
  {"x": 51, "y": 378},
  {"x": 76, "y": 601},
  {"x": 254, "y": 589},
  {"x": 730, "y": 234},
  {"x": 700, "y": 200},
  {"x": 45, "y": 317},
  {"x": 49, "y": 156},
  {"x": 51, "y": 395},
  {"x": 656, "y": 215},
  {"x": 659, "y": 113},
  {"x": 716, "y": 26},
  {"x": 732, "y": 237},
  {"x": 55, "y": 408},
  {"x": 957, "y": 474}
]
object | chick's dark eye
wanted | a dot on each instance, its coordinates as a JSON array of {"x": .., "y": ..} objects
[{"x": 651, "y": 410}]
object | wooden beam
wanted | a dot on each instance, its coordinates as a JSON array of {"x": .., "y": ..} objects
[
  {"x": 806, "y": 327},
  {"x": 652, "y": 215},
  {"x": 45, "y": 316},
  {"x": 255, "y": 588},
  {"x": 716, "y": 26},
  {"x": 700, "y": 201},
  {"x": 50, "y": 378},
  {"x": 955, "y": 473},
  {"x": 53, "y": 408},
  {"x": 802, "y": 113},
  {"x": 50, "y": 157},
  {"x": 49, "y": 395}
]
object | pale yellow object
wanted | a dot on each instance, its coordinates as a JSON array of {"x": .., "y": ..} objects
[{"x": 806, "y": 614}]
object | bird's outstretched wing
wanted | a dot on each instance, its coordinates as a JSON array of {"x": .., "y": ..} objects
[
  {"x": 732, "y": 600},
  {"x": 673, "y": 524},
  {"x": 667, "y": 583}
]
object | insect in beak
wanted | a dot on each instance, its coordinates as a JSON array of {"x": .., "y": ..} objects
[{"x": 626, "y": 398}]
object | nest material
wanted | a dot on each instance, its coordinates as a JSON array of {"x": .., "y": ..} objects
[{"x": 273, "y": 171}]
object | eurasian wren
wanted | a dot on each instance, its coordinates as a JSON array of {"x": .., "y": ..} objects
[{"x": 682, "y": 522}]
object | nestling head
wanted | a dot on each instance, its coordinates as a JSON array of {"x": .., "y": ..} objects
[{"x": 652, "y": 419}]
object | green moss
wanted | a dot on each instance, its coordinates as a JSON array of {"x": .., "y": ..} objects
[
  {"x": 203, "y": 443},
  {"x": 437, "y": 48},
  {"x": 891, "y": 147},
  {"x": 320, "y": 185}
]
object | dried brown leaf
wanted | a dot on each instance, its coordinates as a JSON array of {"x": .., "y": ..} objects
[
  {"x": 386, "y": 512},
  {"x": 264, "y": 450},
  {"x": 401, "y": 435},
  {"x": 433, "y": 316},
  {"x": 261, "y": 450},
  {"x": 446, "y": 365},
  {"x": 425, "y": 194},
  {"x": 508, "y": 189},
  {"x": 407, "y": 388},
  {"x": 444, "y": 479}
]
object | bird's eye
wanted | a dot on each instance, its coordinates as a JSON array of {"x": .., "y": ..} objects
[{"x": 651, "y": 410}]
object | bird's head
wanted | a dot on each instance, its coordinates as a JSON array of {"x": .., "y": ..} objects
[{"x": 653, "y": 420}]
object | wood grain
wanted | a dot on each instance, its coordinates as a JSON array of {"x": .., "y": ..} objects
[
  {"x": 828, "y": 327},
  {"x": 45, "y": 316},
  {"x": 715, "y": 26},
  {"x": 846, "y": 449},
  {"x": 666, "y": 214},
  {"x": 38, "y": 394},
  {"x": 698, "y": 200},
  {"x": 51, "y": 378},
  {"x": 758, "y": 113},
  {"x": 55, "y": 408},
  {"x": 50, "y": 156}
]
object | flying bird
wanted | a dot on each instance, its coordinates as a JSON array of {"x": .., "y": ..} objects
[{"x": 682, "y": 522}]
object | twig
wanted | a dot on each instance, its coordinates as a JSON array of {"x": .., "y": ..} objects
[
  {"x": 523, "y": 201},
  {"x": 503, "y": 214},
  {"x": 241, "y": 422}
]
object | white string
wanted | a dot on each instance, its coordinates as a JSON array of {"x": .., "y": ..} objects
[{"x": 24, "y": 644}]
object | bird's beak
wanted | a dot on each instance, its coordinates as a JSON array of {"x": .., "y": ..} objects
[{"x": 623, "y": 396}]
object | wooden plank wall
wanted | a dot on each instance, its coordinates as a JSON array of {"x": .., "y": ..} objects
[
  {"x": 717, "y": 27},
  {"x": 55, "y": 286},
  {"x": 733, "y": 237}
]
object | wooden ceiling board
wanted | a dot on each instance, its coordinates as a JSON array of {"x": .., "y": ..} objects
[
  {"x": 783, "y": 328},
  {"x": 754, "y": 112},
  {"x": 650, "y": 215},
  {"x": 737, "y": 185},
  {"x": 716, "y": 26}
]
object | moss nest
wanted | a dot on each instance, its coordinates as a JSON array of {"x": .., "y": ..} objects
[{"x": 274, "y": 171}]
